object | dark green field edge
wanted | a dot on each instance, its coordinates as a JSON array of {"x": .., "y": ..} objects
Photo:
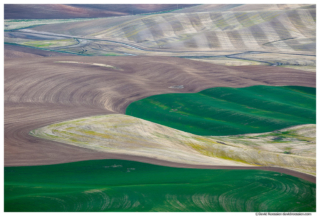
[
  {"x": 230, "y": 111},
  {"x": 119, "y": 185}
]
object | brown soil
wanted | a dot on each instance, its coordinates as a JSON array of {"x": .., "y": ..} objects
[
  {"x": 40, "y": 92},
  {"x": 60, "y": 11},
  {"x": 12, "y": 51},
  {"x": 21, "y": 149}
]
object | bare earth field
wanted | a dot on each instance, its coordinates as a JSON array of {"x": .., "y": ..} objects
[
  {"x": 60, "y": 11},
  {"x": 43, "y": 91},
  {"x": 11, "y": 51}
]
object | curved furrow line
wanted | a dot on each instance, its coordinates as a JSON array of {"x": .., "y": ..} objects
[
  {"x": 41, "y": 91},
  {"x": 108, "y": 186}
]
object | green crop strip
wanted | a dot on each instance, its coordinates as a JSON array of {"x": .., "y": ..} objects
[
  {"x": 118, "y": 185},
  {"x": 230, "y": 111}
]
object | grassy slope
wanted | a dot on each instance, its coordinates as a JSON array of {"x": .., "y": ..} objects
[
  {"x": 230, "y": 111},
  {"x": 116, "y": 185},
  {"x": 123, "y": 134},
  {"x": 298, "y": 140},
  {"x": 128, "y": 135},
  {"x": 50, "y": 43}
]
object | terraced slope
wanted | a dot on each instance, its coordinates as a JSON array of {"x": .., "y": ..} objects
[
  {"x": 42, "y": 91},
  {"x": 117, "y": 185},
  {"x": 127, "y": 135},
  {"x": 230, "y": 111}
]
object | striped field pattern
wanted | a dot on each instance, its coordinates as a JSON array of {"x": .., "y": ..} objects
[
  {"x": 286, "y": 30},
  {"x": 158, "y": 108}
]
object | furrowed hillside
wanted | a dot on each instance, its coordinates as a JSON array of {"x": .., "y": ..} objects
[
  {"x": 273, "y": 28},
  {"x": 48, "y": 90}
]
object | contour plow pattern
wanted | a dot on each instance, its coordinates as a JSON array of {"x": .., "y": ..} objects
[
  {"x": 181, "y": 108},
  {"x": 117, "y": 185},
  {"x": 44, "y": 91}
]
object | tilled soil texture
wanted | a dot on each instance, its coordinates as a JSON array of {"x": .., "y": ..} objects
[
  {"x": 13, "y": 51},
  {"x": 43, "y": 91},
  {"x": 60, "y": 11}
]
